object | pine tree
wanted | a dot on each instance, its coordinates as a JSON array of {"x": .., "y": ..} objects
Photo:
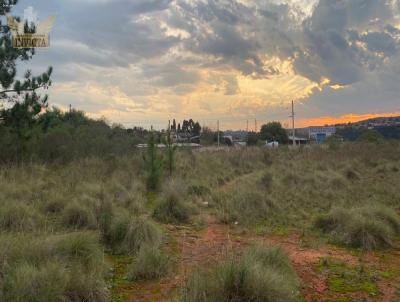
[
  {"x": 154, "y": 164},
  {"x": 19, "y": 102},
  {"x": 171, "y": 149}
]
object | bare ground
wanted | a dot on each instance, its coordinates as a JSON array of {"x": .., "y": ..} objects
[{"x": 196, "y": 249}]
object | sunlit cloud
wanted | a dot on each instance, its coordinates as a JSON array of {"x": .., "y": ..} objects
[{"x": 223, "y": 60}]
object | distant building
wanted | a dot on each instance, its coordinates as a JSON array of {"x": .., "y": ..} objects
[{"x": 320, "y": 134}]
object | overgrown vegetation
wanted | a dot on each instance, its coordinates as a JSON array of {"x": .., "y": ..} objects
[
  {"x": 369, "y": 227},
  {"x": 57, "y": 220},
  {"x": 260, "y": 274},
  {"x": 151, "y": 263},
  {"x": 346, "y": 279}
]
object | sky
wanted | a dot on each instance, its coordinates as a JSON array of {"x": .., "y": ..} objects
[{"x": 143, "y": 62}]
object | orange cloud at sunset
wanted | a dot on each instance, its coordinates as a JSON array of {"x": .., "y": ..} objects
[{"x": 347, "y": 118}]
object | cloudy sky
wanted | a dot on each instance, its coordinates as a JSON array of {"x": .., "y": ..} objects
[{"x": 146, "y": 61}]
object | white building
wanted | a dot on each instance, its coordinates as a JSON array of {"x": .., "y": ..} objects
[{"x": 320, "y": 134}]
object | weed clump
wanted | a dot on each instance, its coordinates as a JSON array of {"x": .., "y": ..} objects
[
  {"x": 127, "y": 235},
  {"x": 77, "y": 216},
  {"x": 266, "y": 180},
  {"x": 260, "y": 274},
  {"x": 18, "y": 218},
  {"x": 65, "y": 267},
  {"x": 151, "y": 263},
  {"x": 245, "y": 206},
  {"x": 368, "y": 228},
  {"x": 171, "y": 208},
  {"x": 27, "y": 282}
]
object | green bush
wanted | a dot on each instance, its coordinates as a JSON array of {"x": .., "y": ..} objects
[
  {"x": 81, "y": 249},
  {"x": 171, "y": 208},
  {"x": 18, "y": 218},
  {"x": 150, "y": 263},
  {"x": 88, "y": 287},
  {"x": 127, "y": 235},
  {"x": 260, "y": 274},
  {"x": 58, "y": 268},
  {"x": 368, "y": 227},
  {"x": 28, "y": 283}
]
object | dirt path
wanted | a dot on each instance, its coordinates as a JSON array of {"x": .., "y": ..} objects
[{"x": 202, "y": 249}]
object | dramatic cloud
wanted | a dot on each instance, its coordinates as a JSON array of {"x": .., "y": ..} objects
[{"x": 239, "y": 58}]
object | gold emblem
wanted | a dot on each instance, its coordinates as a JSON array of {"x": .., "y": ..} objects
[{"x": 38, "y": 39}]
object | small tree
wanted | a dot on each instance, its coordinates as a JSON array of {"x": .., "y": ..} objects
[
  {"x": 20, "y": 95},
  {"x": 154, "y": 164},
  {"x": 371, "y": 136},
  {"x": 274, "y": 132},
  {"x": 171, "y": 149}
]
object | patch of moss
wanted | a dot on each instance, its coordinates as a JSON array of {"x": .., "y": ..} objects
[
  {"x": 390, "y": 274},
  {"x": 343, "y": 278},
  {"x": 120, "y": 287}
]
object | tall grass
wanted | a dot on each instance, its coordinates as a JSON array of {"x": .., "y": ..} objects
[
  {"x": 260, "y": 274},
  {"x": 369, "y": 227},
  {"x": 56, "y": 219},
  {"x": 172, "y": 207},
  {"x": 150, "y": 263}
]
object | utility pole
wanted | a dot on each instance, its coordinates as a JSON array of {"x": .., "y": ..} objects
[
  {"x": 293, "y": 130},
  {"x": 218, "y": 131},
  {"x": 255, "y": 125},
  {"x": 70, "y": 108},
  {"x": 247, "y": 133}
]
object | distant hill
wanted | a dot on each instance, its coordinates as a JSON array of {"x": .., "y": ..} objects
[
  {"x": 389, "y": 127},
  {"x": 374, "y": 122}
]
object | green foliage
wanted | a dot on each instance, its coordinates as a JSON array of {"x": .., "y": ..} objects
[
  {"x": 26, "y": 103},
  {"x": 28, "y": 283},
  {"x": 274, "y": 132},
  {"x": 334, "y": 142},
  {"x": 18, "y": 217},
  {"x": 171, "y": 150},
  {"x": 247, "y": 206},
  {"x": 127, "y": 235},
  {"x": 56, "y": 268},
  {"x": 260, "y": 274},
  {"x": 150, "y": 263},
  {"x": 344, "y": 279},
  {"x": 368, "y": 228},
  {"x": 154, "y": 164},
  {"x": 172, "y": 208},
  {"x": 371, "y": 136}
]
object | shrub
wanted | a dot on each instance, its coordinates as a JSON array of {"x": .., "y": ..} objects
[
  {"x": 26, "y": 282},
  {"x": 118, "y": 229},
  {"x": 245, "y": 206},
  {"x": 81, "y": 249},
  {"x": 266, "y": 180},
  {"x": 151, "y": 263},
  {"x": 77, "y": 216},
  {"x": 59, "y": 268},
  {"x": 141, "y": 231},
  {"x": 88, "y": 287},
  {"x": 260, "y": 274},
  {"x": 18, "y": 218},
  {"x": 171, "y": 209},
  {"x": 128, "y": 235},
  {"x": 367, "y": 227}
]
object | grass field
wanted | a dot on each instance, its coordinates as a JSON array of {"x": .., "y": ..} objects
[{"x": 307, "y": 224}]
